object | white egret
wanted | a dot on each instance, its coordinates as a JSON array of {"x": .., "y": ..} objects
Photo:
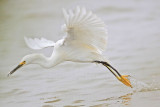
[{"x": 85, "y": 40}]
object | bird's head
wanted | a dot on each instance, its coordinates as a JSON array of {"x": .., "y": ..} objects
[{"x": 28, "y": 59}]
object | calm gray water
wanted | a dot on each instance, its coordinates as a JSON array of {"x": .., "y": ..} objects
[{"x": 133, "y": 48}]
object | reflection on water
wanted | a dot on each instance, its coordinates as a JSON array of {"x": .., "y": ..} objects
[
  {"x": 126, "y": 98},
  {"x": 133, "y": 48},
  {"x": 122, "y": 100},
  {"x": 53, "y": 101}
]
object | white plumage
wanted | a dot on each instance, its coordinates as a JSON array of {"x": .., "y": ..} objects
[
  {"x": 85, "y": 27},
  {"x": 85, "y": 40},
  {"x": 38, "y": 43}
]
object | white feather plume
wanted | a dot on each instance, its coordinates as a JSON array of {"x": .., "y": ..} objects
[
  {"x": 38, "y": 43},
  {"x": 84, "y": 27}
]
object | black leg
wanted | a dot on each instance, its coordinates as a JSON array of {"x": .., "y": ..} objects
[
  {"x": 106, "y": 64},
  {"x": 120, "y": 77}
]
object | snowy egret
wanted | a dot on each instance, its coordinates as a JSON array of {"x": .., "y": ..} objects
[{"x": 85, "y": 40}]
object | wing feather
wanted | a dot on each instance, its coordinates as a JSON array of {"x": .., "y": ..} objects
[
  {"x": 38, "y": 43},
  {"x": 85, "y": 27}
]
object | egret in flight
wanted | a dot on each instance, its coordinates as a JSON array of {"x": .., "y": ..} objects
[{"x": 84, "y": 41}]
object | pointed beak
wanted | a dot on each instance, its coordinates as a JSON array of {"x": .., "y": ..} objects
[{"x": 19, "y": 66}]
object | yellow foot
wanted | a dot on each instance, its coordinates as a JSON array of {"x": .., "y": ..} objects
[{"x": 125, "y": 80}]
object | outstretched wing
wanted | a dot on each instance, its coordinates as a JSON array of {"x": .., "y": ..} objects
[
  {"x": 85, "y": 27},
  {"x": 38, "y": 43}
]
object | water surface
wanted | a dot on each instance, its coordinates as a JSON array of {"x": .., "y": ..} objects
[{"x": 133, "y": 48}]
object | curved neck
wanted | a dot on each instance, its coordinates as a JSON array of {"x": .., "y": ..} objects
[
  {"x": 44, "y": 61},
  {"x": 41, "y": 60}
]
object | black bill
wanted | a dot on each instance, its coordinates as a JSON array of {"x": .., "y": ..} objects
[{"x": 20, "y": 65}]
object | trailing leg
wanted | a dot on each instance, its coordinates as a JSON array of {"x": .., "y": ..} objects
[{"x": 120, "y": 77}]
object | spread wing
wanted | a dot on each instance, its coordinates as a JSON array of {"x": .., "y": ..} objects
[
  {"x": 38, "y": 43},
  {"x": 85, "y": 27}
]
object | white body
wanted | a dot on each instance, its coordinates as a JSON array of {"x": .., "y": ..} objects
[{"x": 85, "y": 40}]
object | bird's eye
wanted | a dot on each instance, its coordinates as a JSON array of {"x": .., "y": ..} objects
[{"x": 22, "y": 63}]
